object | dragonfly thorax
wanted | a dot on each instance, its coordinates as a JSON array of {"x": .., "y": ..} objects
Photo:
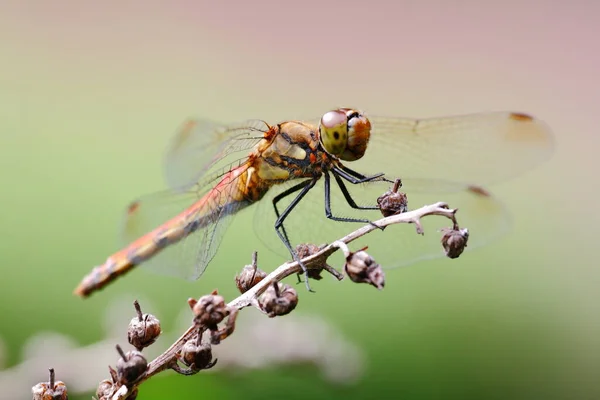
[{"x": 345, "y": 133}]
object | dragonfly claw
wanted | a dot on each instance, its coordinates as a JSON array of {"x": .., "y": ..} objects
[
  {"x": 306, "y": 282},
  {"x": 306, "y": 276},
  {"x": 377, "y": 226}
]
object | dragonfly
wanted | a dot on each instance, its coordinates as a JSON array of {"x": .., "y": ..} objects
[{"x": 295, "y": 173}]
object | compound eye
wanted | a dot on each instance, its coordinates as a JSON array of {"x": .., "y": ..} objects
[
  {"x": 333, "y": 132},
  {"x": 359, "y": 133}
]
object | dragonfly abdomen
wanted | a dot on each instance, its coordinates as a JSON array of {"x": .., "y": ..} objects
[
  {"x": 236, "y": 190},
  {"x": 202, "y": 213},
  {"x": 178, "y": 228},
  {"x": 137, "y": 252}
]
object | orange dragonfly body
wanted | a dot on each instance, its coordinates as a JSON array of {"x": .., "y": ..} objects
[{"x": 301, "y": 153}]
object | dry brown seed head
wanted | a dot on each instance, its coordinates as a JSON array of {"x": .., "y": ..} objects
[
  {"x": 130, "y": 367},
  {"x": 197, "y": 356},
  {"x": 279, "y": 299},
  {"x": 358, "y": 261},
  {"x": 52, "y": 390},
  {"x": 249, "y": 276},
  {"x": 143, "y": 329},
  {"x": 362, "y": 268},
  {"x": 308, "y": 249},
  {"x": 209, "y": 310},
  {"x": 454, "y": 241},
  {"x": 105, "y": 389},
  {"x": 393, "y": 202},
  {"x": 133, "y": 395}
]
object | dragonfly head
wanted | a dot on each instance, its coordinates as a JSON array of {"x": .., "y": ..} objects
[{"x": 345, "y": 133}]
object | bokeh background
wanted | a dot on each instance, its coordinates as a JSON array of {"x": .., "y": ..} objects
[{"x": 91, "y": 92}]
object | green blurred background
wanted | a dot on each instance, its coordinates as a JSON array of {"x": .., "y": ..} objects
[{"x": 90, "y": 93}]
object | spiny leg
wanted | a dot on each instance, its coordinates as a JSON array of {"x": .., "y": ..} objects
[
  {"x": 348, "y": 196},
  {"x": 356, "y": 177},
  {"x": 281, "y": 196},
  {"x": 284, "y": 194},
  {"x": 305, "y": 187},
  {"x": 349, "y": 199}
]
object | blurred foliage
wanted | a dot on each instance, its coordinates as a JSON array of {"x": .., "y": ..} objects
[{"x": 83, "y": 125}]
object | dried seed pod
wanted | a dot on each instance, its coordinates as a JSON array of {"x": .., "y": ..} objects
[
  {"x": 52, "y": 390},
  {"x": 130, "y": 367},
  {"x": 209, "y": 310},
  {"x": 393, "y": 202},
  {"x": 279, "y": 299},
  {"x": 143, "y": 329},
  {"x": 454, "y": 241},
  {"x": 133, "y": 395},
  {"x": 197, "y": 356},
  {"x": 249, "y": 276},
  {"x": 308, "y": 249},
  {"x": 362, "y": 268},
  {"x": 113, "y": 374},
  {"x": 105, "y": 390}
]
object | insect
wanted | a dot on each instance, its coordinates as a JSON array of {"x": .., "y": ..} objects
[{"x": 293, "y": 168}]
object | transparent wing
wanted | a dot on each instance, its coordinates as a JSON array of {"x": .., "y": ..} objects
[
  {"x": 482, "y": 148},
  {"x": 202, "y": 147},
  {"x": 447, "y": 156},
  {"x": 479, "y": 148},
  {"x": 399, "y": 245},
  {"x": 189, "y": 257},
  {"x": 438, "y": 159},
  {"x": 201, "y": 153}
]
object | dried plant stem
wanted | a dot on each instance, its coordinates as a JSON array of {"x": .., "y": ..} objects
[
  {"x": 317, "y": 261},
  {"x": 250, "y": 298}
]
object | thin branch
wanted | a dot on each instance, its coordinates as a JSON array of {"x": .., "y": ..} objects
[
  {"x": 211, "y": 310},
  {"x": 250, "y": 298}
]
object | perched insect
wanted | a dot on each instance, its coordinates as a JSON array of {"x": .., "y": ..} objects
[{"x": 214, "y": 171}]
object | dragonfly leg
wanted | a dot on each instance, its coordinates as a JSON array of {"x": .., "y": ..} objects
[
  {"x": 348, "y": 196},
  {"x": 304, "y": 188},
  {"x": 349, "y": 199},
  {"x": 356, "y": 177},
  {"x": 284, "y": 194}
]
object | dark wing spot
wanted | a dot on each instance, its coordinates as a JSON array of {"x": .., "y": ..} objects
[
  {"x": 133, "y": 207},
  {"x": 478, "y": 190},
  {"x": 416, "y": 126},
  {"x": 184, "y": 133},
  {"x": 521, "y": 117}
]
